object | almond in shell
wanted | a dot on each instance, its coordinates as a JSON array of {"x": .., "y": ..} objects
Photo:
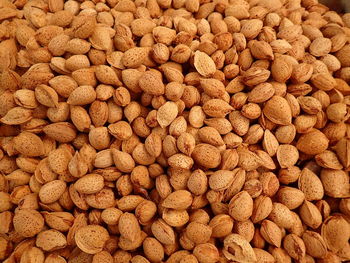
[
  {"x": 278, "y": 110},
  {"x": 91, "y": 239},
  {"x": 204, "y": 64}
]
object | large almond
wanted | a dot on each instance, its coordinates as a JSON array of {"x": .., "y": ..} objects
[
  {"x": 179, "y": 200},
  {"x": 278, "y": 110},
  {"x": 52, "y": 191},
  {"x": 204, "y": 64},
  {"x": 91, "y": 239},
  {"x": 217, "y": 108},
  {"x": 29, "y": 144},
  {"x": 310, "y": 184},
  {"x": 314, "y": 142},
  {"x": 151, "y": 83},
  {"x": 134, "y": 57},
  {"x": 89, "y": 184},
  {"x": 129, "y": 227}
]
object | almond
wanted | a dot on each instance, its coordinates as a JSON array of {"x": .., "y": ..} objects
[
  {"x": 107, "y": 75},
  {"x": 167, "y": 113},
  {"x": 129, "y": 226},
  {"x": 213, "y": 87},
  {"x": 204, "y": 64},
  {"x": 278, "y": 110},
  {"x": 241, "y": 206},
  {"x": 52, "y": 191},
  {"x": 221, "y": 180},
  {"x": 82, "y": 95},
  {"x": 17, "y": 115},
  {"x": 89, "y": 184},
  {"x": 134, "y": 57},
  {"x": 60, "y": 131},
  {"x": 217, "y": 108},
  {"x": 311, "y": 185},
  {"x": 29, "y": 144},
  {"x": 151, "y": 83},
  {"x": 206, "y": 155},
  {"x": 28, "y": 222},
  {"x": 91, "y": 239},
  {"x": 51, "y": 240},
  {"x": 163, "y": 232},
  {"x": 312, "y": 143},
  {"x": 179, "y": 200}
]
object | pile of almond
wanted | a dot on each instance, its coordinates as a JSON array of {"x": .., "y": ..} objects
[{"x": 174, "y": 131}]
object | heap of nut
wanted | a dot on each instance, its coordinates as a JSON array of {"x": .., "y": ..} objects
[{"x": 176, "y": 131}]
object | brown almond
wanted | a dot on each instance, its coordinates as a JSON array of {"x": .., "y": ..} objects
[
  {"x": 314, "y": 142},
  {"x": 151, "y": 83},
  {"x": 29, "y": 144},
  {"x": 134, "y": 57},
  {"x": 217, "y": 108},
  {"x": 52, "y": 191},
  {"x": 221, "y": 180},
  {"x": 204, "y": 64},
  {"x": 179, "y": 200},
  {"x": 129, "y": 227},
  {"x": 241, "y": 206},
  {"x": 61, "y": 131},
  {"x": 17, "y": 115},
  {"x": 206, "y": 155},
  {"x": 28, "y": 222},
  {"x": 50, "y": 240},
  {"x": 82, "y": 95},
  {"x": 163, "y": 232},
  {"x": 213, "y": 87},
  {"x": 278, "y": 110},
  {"x": 91, "y": 239},
  {"x": 89, "y": 184}
]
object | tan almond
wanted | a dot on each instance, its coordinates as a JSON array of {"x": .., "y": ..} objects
[
  {"x": 91, "y": 239},
  {"x": 180, "y": 200},
  {"x": 151, "y": 83},
  {"x": 312, "y": 143},
  {"x": 278, "y": 110},
  {"x": 204, "y": 64}
]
